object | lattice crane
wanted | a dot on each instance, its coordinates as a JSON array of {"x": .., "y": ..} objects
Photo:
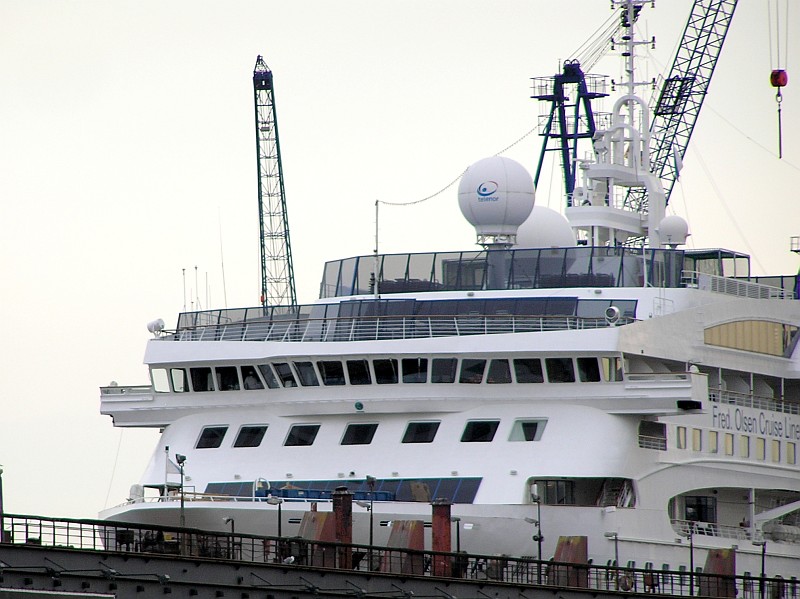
[{"x": 277, "y": 272}]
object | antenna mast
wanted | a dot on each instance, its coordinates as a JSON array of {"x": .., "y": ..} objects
[{"x": 277, "y": 272}]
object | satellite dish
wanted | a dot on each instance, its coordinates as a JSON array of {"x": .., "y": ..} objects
[
  {"x": 673, "y": 230},
  {"x": 545, "y": 228}
]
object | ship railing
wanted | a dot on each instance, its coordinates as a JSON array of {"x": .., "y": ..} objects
[
  {"x": 123, "y": 539},
  {"x": 750, "y": 400},
  {"x": 115, "y": 390},
  {"x": 731, "y": 286},
  {"x": 381, "y": 328},
  {"x": 710, "y": 529}
]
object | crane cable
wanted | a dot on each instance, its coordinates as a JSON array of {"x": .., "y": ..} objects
[{"x": 778, "y": 77}]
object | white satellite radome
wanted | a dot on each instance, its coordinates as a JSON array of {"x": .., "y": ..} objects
[
  {"x": 155, "y": 326},
  {"x": 673, "y": 230},
  {"x": 496, "y": 195},
  {"x": 545, "y": 228}
]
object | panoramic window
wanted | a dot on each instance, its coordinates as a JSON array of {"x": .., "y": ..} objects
[
  {"x": 302, "y": 434},
  {"x": 499, "y": 372},
  {"x": 227, "y": 378},
  {"x": 308, "y": 377},
  {"x": 385, "y": 371},
  {"x": 332, "y": 373},
  {"x": 759, "y": 336},
  {"x": 180, "y": 381},
  {"x": 588, "y": 370},
  {"x": 285, "y": 374},
  {"x": 201, "y": 379},
  {"x": 420, "y": 432},
  {"x": 560, "y": 370},
  {"x": 250, "y": 436},
  {"x": 472, "y": 370},
  {"x": 443, "y": 370},
  {"x": 415, "y": 370},
  {"x": 528, "y": 370},
  {"x": 527, "y": 430},
  {"x": 479, "y": 431},
  {"x": 359, "y": 434},
  {"x": 269, "y": 376},
  {"x": 358, "y": 371},
  {"x": 250, "y": 378},
  {"x": 211, "y": 437},
  {"x": 160, "y": 380}
]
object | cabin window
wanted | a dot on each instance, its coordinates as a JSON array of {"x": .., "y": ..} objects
[
  {"x": 697, "y": 439},
  {"x": 527, "y": 430},
  {"x": 201, "y": 379},
  {"x": 681, "y": 440},
  {"x": 499, "y": 372},
  {"x": 528, "y": 370},
  {"x": 211, "y": 437},
  {"x": 160, "y": 380},
  {"x": 358, "y": 371},
  {"x": 359, "y": 434},
  {"x": 302, "y": 435},
  {"x": 180, "y": 382},
  {"x": 307, "y": 374},
  {"x": 443, "y": 370},
  {"x": 728, "y": 443},
  {"x": 713, "y": 441},
  {"x": 555, "y": 492},
  {"x": 269, "y": 376},
  {"x": 420, "y": 432},
  {"x": 250, "y": 378},
  {"x": 700, "y": 508},
  {"x": 332, "y": 373},
  {"x": 285, "y": 374},
  {"x": 250, "y": 436},
  {"x": 560, "y": 370},
  {"x": 761, "y": 448},
  {"x": 744, "y": 446},
  {"x": 791, "y": 453},
  {"x": 227, "y": 378},
  {"x": 385, "y": 371},
  {"x": 479, "y": 431},
  {"x": 612, "y": 369},
  {"x": 776, "y": 451},
  {"x": 472, "y": 370},
  {"x": 415, "y": 370},
  {"x": 588, "y": 370}
]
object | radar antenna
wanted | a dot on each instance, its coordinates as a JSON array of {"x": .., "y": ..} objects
[{"x": 277, "y": 272}]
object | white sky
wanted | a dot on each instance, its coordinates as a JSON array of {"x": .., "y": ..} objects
[{"x": 127, "y": 151}]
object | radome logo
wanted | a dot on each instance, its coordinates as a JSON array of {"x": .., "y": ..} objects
[{"x": 486, "y": 191}]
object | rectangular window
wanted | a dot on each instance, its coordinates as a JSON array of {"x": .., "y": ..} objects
[
  {"x": 556, "y": 492},
  {"x": 761, "y": 448},
  {"x": 285, "y": 374},
  {"x": 332, "y": 373},
  {"x": 160, "y": 380},
  {"x": 527, "y": 430},
  {"x": 560, "y": 370},
  {"x": 697, "y": 439},
  {"x": 358, "y": 371},
  {"x": 499, "y": 372},
  {"x": 472, "y": 370},
  {"x": 776, "y": 451},
  {"x": 359, "y": 434},
  {"x": 528, "y": 370},
  {"x": 180, "y": 382},
  {"x": 415, "y": 370},
  {"x": 227, "y": 378},
  {"x": 385, "y": 371},
  {"x": 728, "y": 443},
  {"x": 307, "y": 374},
  {"x": 701, "y": 508},
  {"x": 479, "y": 431},
  {"x": 250, "y": 378},
  {"x": 713, "y": 441},
  {"x": 420, "y": 432},
  {"x": 443, "y": 370},
  {"x": 250, "y": 436},
  {"x": 681, "y": 440},
  {"x": 791, "y": 453},
  {"x": 612, "y": 369},
  {"x": 201, "y": 379},
  {"x": 211, "y": 437},
  {"x": 588, "y": 370},
  {"x": 744, "y": 446},
  {"x": 269, "y": 376},
  {"x": 302, "y": 435}
]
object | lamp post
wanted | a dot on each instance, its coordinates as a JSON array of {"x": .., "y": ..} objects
[
  {"x": 272, "y": 500},
  {"x": 615, "y": 536},
  {"x": 763, "y": 544},
  {"x": 2, "y": 509},
  {"x": 691, "y": 559},
  {"x": 231, "y": 545},
  {"x": 538, "y": 524},
  {"x": 181, "y": 459}
]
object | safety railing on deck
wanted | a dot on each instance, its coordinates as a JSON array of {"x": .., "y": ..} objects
[
  {"x": 102, "y": 536},
  {"x": 749, "y": 400},
  {"x": 731, "y": 286}
]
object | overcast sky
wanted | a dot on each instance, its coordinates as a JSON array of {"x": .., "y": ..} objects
[{"x": 128, "y": 154}]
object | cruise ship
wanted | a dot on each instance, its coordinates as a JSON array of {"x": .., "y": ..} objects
[{"x": 578, "y": 374}]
